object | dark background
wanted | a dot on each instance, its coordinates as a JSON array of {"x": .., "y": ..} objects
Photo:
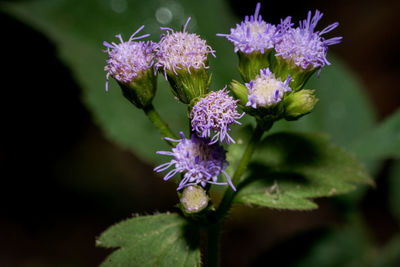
[{"x": 51, "y": 213}]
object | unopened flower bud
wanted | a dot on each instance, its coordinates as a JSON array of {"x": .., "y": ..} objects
[
  {"x": 299, "y": 104},
  {"x": 182, "y": 56},
  {"x": 240, "y": 92},
  {"x": 194, "y": 199},
  {"x": 131, "y": 65}
]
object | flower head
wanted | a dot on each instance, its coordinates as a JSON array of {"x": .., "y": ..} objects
[
  {"x": 253, "y": 34},
  {"x": 266, "y": 90},
  {"x": 215, "y": 113},
  {"x": 304, "y": 45},
  {"x": 200, "y": 162},
  {"x": 181, "y": 50},
  {"x": 128, "y": 60}
]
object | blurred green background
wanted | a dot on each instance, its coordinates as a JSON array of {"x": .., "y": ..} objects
[{"x": 75, "y": 160}]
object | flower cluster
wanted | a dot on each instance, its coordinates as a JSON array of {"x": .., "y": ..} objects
[
  {"x": 129, "y": 59},
  {"x": 274, "y": 61},
  {"x": 266, "y": 90},
  {"x": 215, "y": 113},
  {"x": 302, "y": 44},
  {"x": 200, "y": 162},
  {"x": 181, "y": 50}
]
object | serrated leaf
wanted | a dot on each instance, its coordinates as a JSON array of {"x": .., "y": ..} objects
[
  {"x": 158, "y": 240},
  {"x": 383, "y": 141},
  {"x": 292, "y": 168}
]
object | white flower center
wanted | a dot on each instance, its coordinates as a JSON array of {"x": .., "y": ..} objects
[
  {"x": 265, "y": 91},
  {"x": 257, "y": 28}
]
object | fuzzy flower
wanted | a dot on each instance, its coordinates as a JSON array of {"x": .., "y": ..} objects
[
  {"x": 266, "y": 90},
  {"x": 304, "y": 45},
  {"x": 215, "y": 112},
  {"x": 253, "y": 34},
  {"x": 128, "y": 59},
  {"x": 181, "y": 50},
  {"x": 200, "y": 162}
]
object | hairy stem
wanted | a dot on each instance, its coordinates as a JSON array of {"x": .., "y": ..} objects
[
  {"x": 162, "y": 127},
  {"x": 213, "y": 230}
]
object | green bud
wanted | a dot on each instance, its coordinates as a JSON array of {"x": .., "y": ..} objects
[
  {"x": 194, "y": 199},
  {"x": 283, "y": 67},
  {"x": 299, "y": 104},
  {"x": 240, "y": 92},
  {"x": 250, "y": 64},
  {"x": 188, "y": 86},
  {"x": 141, "y": 90}
]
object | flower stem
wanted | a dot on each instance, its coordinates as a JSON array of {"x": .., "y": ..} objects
[
  {"x": 226, "y": 201},
  {"x": 162, "y": 127},
  {"x": 213, "y": 230},
  {"x": 213, "y": 245}
]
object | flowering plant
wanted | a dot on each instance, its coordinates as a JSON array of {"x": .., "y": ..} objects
[
  {"x": 248, "y": 136},
  {"x": 275, "y": 62}
]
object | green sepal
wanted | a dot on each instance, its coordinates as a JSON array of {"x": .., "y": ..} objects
[
  {"x": 187, "y": 86},
  {"x": 284, "y": 67},
  {"x": 141, "y": 90},
  {"x": 299, "y": 104},
  {"x": 250, "y": 64}
]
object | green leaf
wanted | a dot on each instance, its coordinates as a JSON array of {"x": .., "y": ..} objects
[
  {"x": 350, "y": 245},
  {"x": 383, "y": 141},
  {"x": 346, "y": 246},
  {"x": 158, "y": 240},
  {"x": 292, "y": 168},
  {"x": 78, "y": 29}
]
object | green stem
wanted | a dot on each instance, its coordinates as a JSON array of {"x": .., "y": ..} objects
[
  {"x": 159, "y": 123},
  {"x": 226, "y": 201},
  {"x": 213, "y": 245},
  {"x": 213, "y": 230}
]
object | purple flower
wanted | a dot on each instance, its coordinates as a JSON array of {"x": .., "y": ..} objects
[
  {"x": 200, "y": 162},
  {"x": 253, "y": 34},
  {"x": 266, "y": 90},
  {"x": 303, "y": 45},
  {"x": 215, "y": 112},
  {"x": 128, "y": 59},
  {"x": 181, "y": 50}
]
